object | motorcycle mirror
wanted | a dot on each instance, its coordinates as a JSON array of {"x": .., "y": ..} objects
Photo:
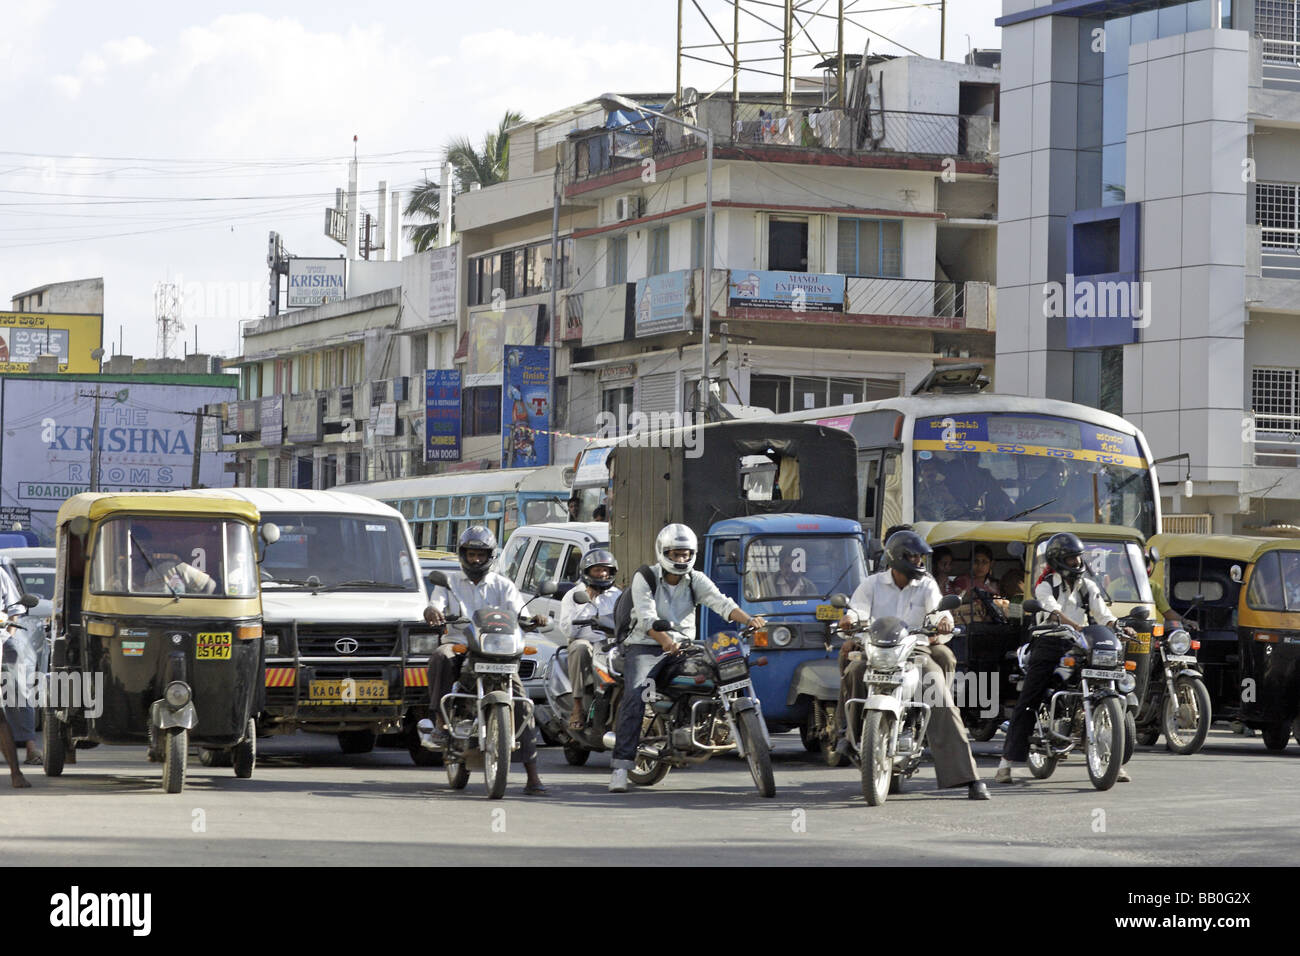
[
  {"x": 437, "y": 579},
  {"x": 949, "y": 603},
  {"x": 1140, "y": 613},
  {"x": 660, "y": 625},
  {"x": 548, "y": 589},
  {"x": 1031, "y": 606},
  {"x": 29, "y": 601},
  {"x": 581, "y": 597},
  {"x": 840, "y": 601}
]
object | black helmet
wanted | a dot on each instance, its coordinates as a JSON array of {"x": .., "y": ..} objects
[
  {"x": 1065, "y": 555},
  {"x": 594, "y": 558},
  {"x": 479, "y": 538},
  {"x": 899, "y": 550}
]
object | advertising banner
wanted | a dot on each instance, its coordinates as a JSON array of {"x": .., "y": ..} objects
[
  {"x": 442, "y": 282},
  {"x": 797, "y": 291},
  {"x": 490, "y": 332},
  {"x": 315, "y": 282},
  {"x": 303, "y": 420},
  {"x": 384, "y": 416},
  {"x": 273, "y": 420},
  {"x": 25, "y": 335},
  {"x": 442, "y": 415},
  {"x": 663, "y": 303},
  {"x": 145, "y": 444},
  {"x": 526, "y": 407}
]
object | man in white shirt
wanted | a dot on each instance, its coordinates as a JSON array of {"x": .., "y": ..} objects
[
  {"x": 472, "y": 588},
  {"x": 904, "y": 590},
  {"x": 1068, "y": 596},
  {"x": 597, "y": 570}
]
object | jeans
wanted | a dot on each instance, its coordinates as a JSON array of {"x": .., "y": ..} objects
[{"x": 638, "y": 659}]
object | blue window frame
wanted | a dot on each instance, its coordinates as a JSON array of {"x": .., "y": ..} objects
[{"x": 870, "y": 247}]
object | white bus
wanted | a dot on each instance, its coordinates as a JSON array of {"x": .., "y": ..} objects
[
  {"x": 439, "y": 507},
  {"x": 969, "y": 455}
]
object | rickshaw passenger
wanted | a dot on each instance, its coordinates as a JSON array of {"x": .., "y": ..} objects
[
  {"x": 1012, "y": 585},
  {"x": 973, "y": 608},
  {"x": 942, "y": 565}
]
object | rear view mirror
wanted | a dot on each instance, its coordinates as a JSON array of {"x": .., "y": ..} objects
[
  {"x": 80, "y": 526},
  {"x": 1032, "y": 607},
  {"x": 1234, "y": 572},
  {"x": 548, "y": 589},
  {"x": 950, "y": 602},
  {"x": 581, "y": 597},
  {"x": 29, "y": 601},
  {"x": 437, "y": 579},
  {"x": 1140, "y": 613},
  {"x": 270, "y": 532},
  {"x": 839, "y": 601}
]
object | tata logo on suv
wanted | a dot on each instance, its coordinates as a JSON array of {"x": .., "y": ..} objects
[{"x": 347, "y": 645}]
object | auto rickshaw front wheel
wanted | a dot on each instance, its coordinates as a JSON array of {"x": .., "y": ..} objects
[
  {"x": 1275, "y": 736},
  {"x": 54, "y": 742},
  {"x": 176, "y": 751},
  {"x": 243, "y": 756}
]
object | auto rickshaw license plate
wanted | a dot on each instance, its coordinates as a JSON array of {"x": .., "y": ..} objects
[
  {"x": 342, "y": 690},
  {"x": 212, "y": 646},
  {"x": 828, "y": 612}
]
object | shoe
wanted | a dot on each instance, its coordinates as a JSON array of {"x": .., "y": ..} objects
[
  {"x": 1003, "y": 775},
  {"x": 535, "y": 790},
  {"x": 978, "y": 791},
  {"x": 431, "y": 737},
  {"x": 1123, "y": 776},
  {"x": 843, "y": 747},
  {"x": 34, "y": 760},
  {"x": 618, "y": 781}
]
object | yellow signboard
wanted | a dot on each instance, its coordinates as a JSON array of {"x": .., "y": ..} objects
[{"x": 25, "y": 335}]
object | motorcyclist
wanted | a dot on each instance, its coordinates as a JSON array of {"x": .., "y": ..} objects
[
  {"x": 596, "y": 572},
  {"x": 904, "y": 590},
  {"x": 472, "y": 588},
  {"x": 1068, "y": 596},
  {"x": 678, "y": 591}
]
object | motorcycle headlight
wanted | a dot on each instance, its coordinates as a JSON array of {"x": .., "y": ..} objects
[
  {"x": 1105, "y": 657},
  {"x": 1127, "y": 683},
  {"x": 732, "y": 670},
  {"x": 885, "y": 658},
  {"x": 501, "y": 644},
  {"x": 423, "y": 645},
  {"x": 782, "y": 636},
  {"x": 1179, "y": 642}
]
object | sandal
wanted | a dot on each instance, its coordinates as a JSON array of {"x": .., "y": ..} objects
[
  {"x": 34, "y": 760},
  {"x": 575, "y": 721},
  {"x": 535, "y": 790}
]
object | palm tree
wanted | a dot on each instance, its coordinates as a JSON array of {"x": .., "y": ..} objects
[{"x": 485, "y": 166}]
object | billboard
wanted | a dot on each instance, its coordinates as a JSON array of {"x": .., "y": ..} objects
[
  {"x": 797, "y": 291},
  {"x": 490, "y": 332},
  {"x": 526, "y": 407},
  {"x": 25, "y": 335},
  {"x": 302, "y": 420},
  {"x": 272, "y": 410},
  {"x": 442, "y": 282},
  {"x": 315, "y": 282},
  {"x": 442, "y": 415},
  {"x": 663, "y": 303},
  {"x": 145, "y": 443}
]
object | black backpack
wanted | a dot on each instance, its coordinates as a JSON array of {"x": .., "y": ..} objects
[{"x": 623, "y": 607}]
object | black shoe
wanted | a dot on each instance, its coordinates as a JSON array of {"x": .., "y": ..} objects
[
  {"x": 977, "y": 791},
  {"x": 843, "y": 747}
]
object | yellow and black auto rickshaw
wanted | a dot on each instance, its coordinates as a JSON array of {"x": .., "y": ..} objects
[
  {"x": 995, "y": 565},
  {"x": 1244, "y": 594},
  {"x": 157, "y": 629}
]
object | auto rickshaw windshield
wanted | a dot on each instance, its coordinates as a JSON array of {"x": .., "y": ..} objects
[
  {"x": 789, "y": 567},
  {"x": 1118, "y": 566},
  {"x": 1275, "y": 582},
  {"x": 167, "y": 557}
]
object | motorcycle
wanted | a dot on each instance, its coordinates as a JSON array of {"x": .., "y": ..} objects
[
  {"x": 1177, "y": 701},
  {"x": 699, "y": 703},
  {"x": 479, "y": 712},
  {"x": 599, "y": 703},
  {"x": 894, "y": 714},
  {"x": 1085, "y": 704}
]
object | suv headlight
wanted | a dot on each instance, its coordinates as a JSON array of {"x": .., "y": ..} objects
[
  {"x": 423, "y": 645},
  {"x": 1180, "y": 642},
  {"x": 271, "y": 642}
]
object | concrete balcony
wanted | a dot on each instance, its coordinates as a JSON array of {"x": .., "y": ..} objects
[
  {"x": 1272, "y": 268},
  {"x": 1274, "y": 82}
]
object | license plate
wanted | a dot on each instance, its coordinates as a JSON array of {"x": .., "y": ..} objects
[
  {"x": 484, "y": 668},
  {"x": 1180, "y": 659},
  {"x": 738, "y": 685},
  {"x": 347, "y": 690},
  {"x": 1102, "y": 675},
  {"x": 212, "y": 647},
  {"x": 828, "y": 612}
]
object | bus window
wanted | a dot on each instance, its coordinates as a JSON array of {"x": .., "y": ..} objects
[
  {"x": 511, "y": 519},
  {"x": 440, "y": 507},
  {"x": 477, "y": 505},
  {"x": 440, "y": 537},
  {"x": 870, "y": 480},
  {"x": 423, "y": 507},
  {"x": 495, "y": 506},
  {"x": 458, "y": 505},
  {"x": 407, "y": 509}
]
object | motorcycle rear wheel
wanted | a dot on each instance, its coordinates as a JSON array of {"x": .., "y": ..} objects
[
  {"x": 496, "y": 751},
  {"x": 457, "y": 772},
  {"x": 1130, "y": 735},
  {"x": 649, "y": 771},
  {"x": 877, "y": 761},
  {"x": 1190, "y": 700},
  {"x": 1105, "y": 743},
  {"x": 757, "y": 754},
  {"x": 1148, "y": 736}
]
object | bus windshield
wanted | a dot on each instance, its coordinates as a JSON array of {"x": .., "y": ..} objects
[{"x": 992, "y": 467}]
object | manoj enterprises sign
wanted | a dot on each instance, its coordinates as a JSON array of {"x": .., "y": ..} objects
[
  {"x": 315, "y": 282},
  {"x": 71, "y": 338}
]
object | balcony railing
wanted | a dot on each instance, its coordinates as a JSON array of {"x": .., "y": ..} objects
[
  {"x": 856, "y": 131},
  {"x": 1279, "y": 252},
  {"x": 1280, "y": 61},
  {"x": 867, "y": 295},
  {"x": 1276, "y": 440}
]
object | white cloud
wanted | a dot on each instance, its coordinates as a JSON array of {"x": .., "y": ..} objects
[
  {"x": 129, "y": 50},
  {"x": 68, "y": 86}
]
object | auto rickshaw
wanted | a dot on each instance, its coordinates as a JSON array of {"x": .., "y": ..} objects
[
  {"x": 991, "y": 621},
  {"x": 1244, "y": 594},
  {"x": 157, "y": 629}
]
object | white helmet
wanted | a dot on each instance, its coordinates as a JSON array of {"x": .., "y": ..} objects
[{"x": 672, "y": 537}]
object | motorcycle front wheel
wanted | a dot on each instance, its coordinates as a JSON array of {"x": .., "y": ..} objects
[
  {"x": 496, "y": 752},
  {"x": 1105, "y": 746},
  {"x": 648, "y": 770},
  {"x": 1130, "y": 735},
  {"x": 1041, "y": 765},
  {"x": 756, "y": 753},
  {"x": 1186, "y": 716},
  {"x": 877, "y": 760}
]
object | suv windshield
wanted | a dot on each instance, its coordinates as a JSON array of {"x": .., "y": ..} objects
[
  {"x": 337, "y": 550},
  {"x": 174, "y": 556},
  {"x": 38, "y": 581},
  {"x": 1118, "y": 566},
  {"x": 799, "y": 567}
]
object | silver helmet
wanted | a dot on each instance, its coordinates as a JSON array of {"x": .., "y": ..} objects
[{"x": 672, "y": 538}]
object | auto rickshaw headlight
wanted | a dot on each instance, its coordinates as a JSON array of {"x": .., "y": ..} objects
[
  {"x": 177, "y": 694},
  {"x": 782, "y": 636},
  {"x": 1179, "y": 642}
]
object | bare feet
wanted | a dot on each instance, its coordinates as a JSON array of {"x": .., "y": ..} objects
[{"x": 19, "y": 781}]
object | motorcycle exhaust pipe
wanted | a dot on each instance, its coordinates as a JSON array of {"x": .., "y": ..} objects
[{"x": 608, "y": 740}]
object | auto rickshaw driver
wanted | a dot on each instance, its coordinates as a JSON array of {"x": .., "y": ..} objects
[{"x": 155, "y": 569}]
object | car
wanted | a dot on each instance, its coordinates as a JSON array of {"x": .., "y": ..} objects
[
  {"x": 22, "y": 557},
  {"x": 39, "y": 580}
]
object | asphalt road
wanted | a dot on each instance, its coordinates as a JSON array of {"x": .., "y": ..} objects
[{"x": 309, "y": 805}]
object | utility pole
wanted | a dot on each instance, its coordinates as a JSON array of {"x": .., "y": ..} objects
[
  {"x": 552, "y": 342},
  {"x": 94, "y": 440},
  {"x": 198, "y": 442},
  {"x": 943, "y": 25}
]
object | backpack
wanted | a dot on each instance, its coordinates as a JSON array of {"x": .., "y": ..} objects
[{"x": 624, "y": 608}]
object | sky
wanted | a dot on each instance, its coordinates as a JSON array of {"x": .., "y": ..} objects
[{"x": 161, "y": 142}]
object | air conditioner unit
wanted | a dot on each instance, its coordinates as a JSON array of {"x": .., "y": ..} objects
[{"x": 627, "y": 207}]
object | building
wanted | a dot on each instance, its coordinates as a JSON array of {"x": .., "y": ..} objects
[
  {"x": 1147, "y": 251},
  {"x": 54, "y": 327}
]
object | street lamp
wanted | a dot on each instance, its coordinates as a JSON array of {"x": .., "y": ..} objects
[{"x": 613, "y": 101}]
